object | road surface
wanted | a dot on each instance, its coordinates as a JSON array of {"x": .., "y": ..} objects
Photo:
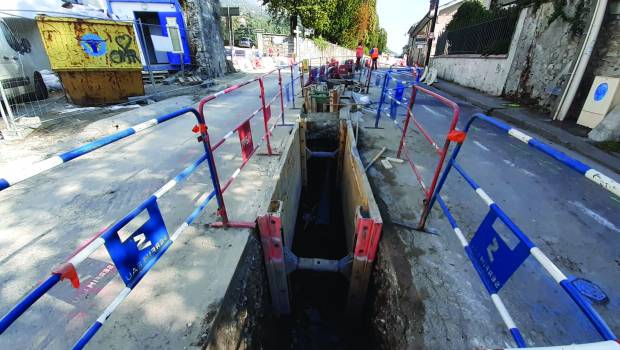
[
  {"x": 572, "y": 220},
  {"x": 45, "y": 218}
]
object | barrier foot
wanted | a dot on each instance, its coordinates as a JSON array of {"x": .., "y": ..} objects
[
  {"x": 233, "y": 224},
  {"x": 374, "y": 127}
]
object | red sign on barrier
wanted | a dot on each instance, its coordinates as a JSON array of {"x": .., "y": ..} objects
[
  {"x": 267, "y": 114},
  {"x": 245, "y": 138}
]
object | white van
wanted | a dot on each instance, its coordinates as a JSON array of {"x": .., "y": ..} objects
[{"x": 18, "y": 75}]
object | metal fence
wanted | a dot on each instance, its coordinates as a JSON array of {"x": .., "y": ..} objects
[
  {"x": 24, "y": 75},
  {"x": 488, "y": 38}
]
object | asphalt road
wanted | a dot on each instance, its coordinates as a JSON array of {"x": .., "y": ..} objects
[
  {"x": 572, "y": 220},
  {"x": 45, "y": 218}
]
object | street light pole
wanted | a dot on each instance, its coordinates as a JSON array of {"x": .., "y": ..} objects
[{"x": 429, "y": 44}]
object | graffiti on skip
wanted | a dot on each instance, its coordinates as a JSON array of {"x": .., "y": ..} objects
[
  {"x": 93, "y": 45},
  {"x": 125, "y": 53}
]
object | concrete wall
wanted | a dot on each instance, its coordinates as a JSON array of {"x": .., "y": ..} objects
[
  {"x": 308, "y": 49},
  {"x": 487, "y": 74},
  {"x": 484, "y": 73}
]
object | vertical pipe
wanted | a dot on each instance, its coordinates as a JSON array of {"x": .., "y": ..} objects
[
  {"x": 281, "y": 97},
  {"x": 265, "y": 116},
  {"x": 582, "y": 61},
  {"x": 147, "y": 58},
  {"x": 293, "y": 86},
  {"x": 407, "y": 119}
]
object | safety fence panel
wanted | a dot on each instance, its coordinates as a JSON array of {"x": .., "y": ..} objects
[
  {"x": 244, "y": 130},
  {"x": 396, "y": 84},
  {"x": 133, "y": 254},
  {"x": 493, "y": 259}
]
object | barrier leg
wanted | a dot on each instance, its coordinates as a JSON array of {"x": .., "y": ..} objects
[
  {"x": 215, "y": 180},
  {"x": 293, "y": 86},
  {"x": 386, "y": 80},
  {"x": 281, "y": 97},
  {"x": 407, "y": 119},
  {"x": 266, "y": 114}
]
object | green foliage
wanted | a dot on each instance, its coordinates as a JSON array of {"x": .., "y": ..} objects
[
  {"x": 472, "y": 12},
  {"x": 321, "y": 43},
  {"x": 344, "y": 22},
  {"x": 577, "y": 22}
]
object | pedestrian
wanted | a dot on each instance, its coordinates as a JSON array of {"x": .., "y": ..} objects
[
  {"x": 359, "y": 53},
  {"x": 374, "y": 54}
]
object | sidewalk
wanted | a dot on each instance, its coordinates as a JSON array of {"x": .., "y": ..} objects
[{"x": 529, "y": 119}]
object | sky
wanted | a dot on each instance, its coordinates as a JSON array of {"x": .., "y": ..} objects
[{"x": 397, "y": 16}]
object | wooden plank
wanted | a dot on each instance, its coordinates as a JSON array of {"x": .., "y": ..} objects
[
  {"x": 302, "y": 151},
  {"x": 285, "y": 193},
  {"x": 361, "y": 217}
]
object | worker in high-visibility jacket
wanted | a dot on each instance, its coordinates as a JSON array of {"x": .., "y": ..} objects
[
  {"x": 359, "y": 53},
  {"x": 374, "y": 54}
]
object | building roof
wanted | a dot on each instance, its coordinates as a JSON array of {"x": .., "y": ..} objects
[
  {"x": 419, "y": 26},
  {"x": 53, "y": 8}
]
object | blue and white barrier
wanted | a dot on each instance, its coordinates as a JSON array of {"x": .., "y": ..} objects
[
  {"x": 492, "y": 258},
  {"x": 18, "y": 175},
  {"x": 134, "y": 255}
]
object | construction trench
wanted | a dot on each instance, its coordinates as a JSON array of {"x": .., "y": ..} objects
[
  {"x": 319, "y": 236},
  {"x": 323, "y": 252}
]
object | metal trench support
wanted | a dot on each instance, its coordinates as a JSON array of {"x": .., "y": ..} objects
[
  {"x": 494, "y": 260},
  {"x": 138, "y": 253}
]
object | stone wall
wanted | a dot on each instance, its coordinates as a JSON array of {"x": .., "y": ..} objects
[
  {"x": 544, "y": 58},
  {"x": 205, "y": 39}
]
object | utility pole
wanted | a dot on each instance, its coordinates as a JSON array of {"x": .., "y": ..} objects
[{"x": 429, "y": 44}]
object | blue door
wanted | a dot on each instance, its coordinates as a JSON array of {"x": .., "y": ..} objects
[{"x": 174, "y": 58}]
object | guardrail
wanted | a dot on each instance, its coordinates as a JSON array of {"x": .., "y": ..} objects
[
  {"x": 395, "y": 95},
  {"x": 492, "y": 258},
  {"x": 135, "y": 255},
  {"x": 244, "y": 130}
]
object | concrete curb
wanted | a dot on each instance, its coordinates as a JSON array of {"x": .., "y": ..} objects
[{"x": 519, "y": 118}]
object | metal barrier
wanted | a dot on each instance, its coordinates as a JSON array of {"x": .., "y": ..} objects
[
  {"x": 493, "y": 259},
  {"x": 395, "y": 95},
  {"x": 244, "y": 130},
  {"x": 133, "y": 257}
]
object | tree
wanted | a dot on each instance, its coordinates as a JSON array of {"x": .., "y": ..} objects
[{"x": 345, "y": 22}]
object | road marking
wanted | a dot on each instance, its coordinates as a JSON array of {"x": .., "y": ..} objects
[
  {"x": 481, "y": 146},
  {"x": 432, "y": 111},
  {"x": 596, "y": 216},
  {"x": 526, "y": 172}
]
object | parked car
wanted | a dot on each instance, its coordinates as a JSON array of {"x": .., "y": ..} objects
[
  {"x": 245, "y": 42},
  {"x": 18, "y": 74}
]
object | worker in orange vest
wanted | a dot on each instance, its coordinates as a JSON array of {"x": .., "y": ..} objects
[
  {"x": 374, "y": 54},
  {"x": 359, "y": 53}
]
